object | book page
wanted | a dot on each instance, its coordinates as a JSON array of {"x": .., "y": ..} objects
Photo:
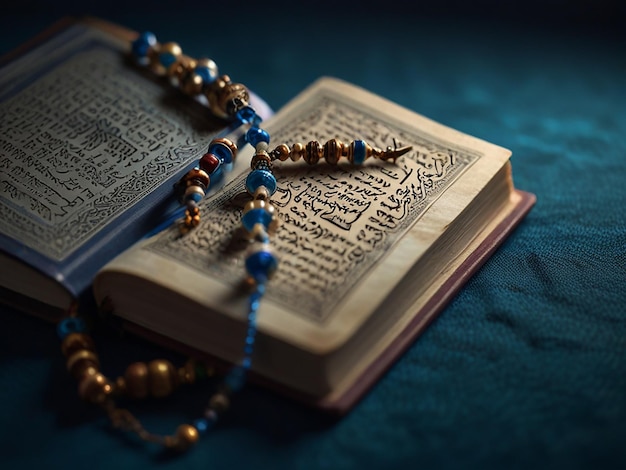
[
  {"x": 86, "y": 135},
  {"x": 340, "y": 225}
]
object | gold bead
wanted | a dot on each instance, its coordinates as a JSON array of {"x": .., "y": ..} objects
[
  {"x": 313, "y": 152},
  {"x": 171, "y": 48},
  {"x": 187, "y": 373},
  {"x": 332, "y": 151},
  {"x": 191, "y": 84},
  {"x": 94, "y": 388},
  {"x": 155, "y": 56},
  {"x": 281, "y": 152},
  {"x": 181, "y": 68},
  {"x": 153, "y": 59},
  {"x": 208, "y": 63},
  {"x": 185, "y": 438},
  {"x": 259, "y": 204},
  {"x": 297, "y": 151},
  {"x": 136, "y": 378},
  {"x": 197, "y": 176},
  {"x": 258, "y": 232},
  {"x": 260, "y": 157},
  {"x": 75, "y": 342},
  {"x": 82, "y": 363},
  {"x": 219, "y": 402},
  {"x": 120, "y": 386},
  {"x": 226, "y": 98},
  {"x": 261, "y": 193},
  {"x": 162, "y": 378}
]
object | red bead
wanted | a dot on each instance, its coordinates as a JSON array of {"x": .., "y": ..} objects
[{"x": 209, "y": 163}]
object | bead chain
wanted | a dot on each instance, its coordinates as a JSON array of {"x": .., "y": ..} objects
[{"x": 160, "y": 378}]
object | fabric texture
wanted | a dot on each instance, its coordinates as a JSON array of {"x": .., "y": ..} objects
[{"x": 526, "y": 368}]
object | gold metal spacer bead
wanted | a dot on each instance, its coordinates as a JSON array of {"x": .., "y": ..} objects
[
  {"x": 281, "y": 152},
  {"x": 162, "y": 378},
  {"x": 226, "y": 98},
  {"x": 297, "y": 151},
  {"x": 191, "y": 84},
  {"x": 258, "y": 232},
  {"x": 187, "y": 373},
  {"x": 136, "y": 378},
  {"x": 81, "y": 363},
  {"x": 94, "y": 388},
  {"x": 260, "y": 157},
  {"x": 197, "y": 175},
  {"x": 259, "y": 204},
  {"x": 75, "y": 342},
  {"x": 186, "y": 437},
  {"x": 181, "y": 68},
  {"x": 219, "y": 402},
  {"x": 261, "y": 193},
  {"x": 120, "y": 386},
  {"x": 333, "y": 149},
  {"x": 313, "y": 152}
]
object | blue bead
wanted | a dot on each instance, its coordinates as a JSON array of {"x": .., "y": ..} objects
[
  {"x": 260, "y": 265},
  {"x": 256, "y": 216},
  {"x": 142, "y": 44},
  {"x": 203, "y": 425},
  {"x": 70, "y": 325},
  {"x": 167, "y": 59},
  {"x": 258, "y": 178},
  {"x": 246, "y": 114},
  {"x": 222, "y": 151},
  {"x": 360, "y": 150},
  {"x": 196, "y": 197},
  {"x": 236, "y": 378},
  {"x": 256, "y": 135},
  {"x": 208, "y": 74}
]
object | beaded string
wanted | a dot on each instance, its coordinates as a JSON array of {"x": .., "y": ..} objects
[{"x": 160, "y": 378}]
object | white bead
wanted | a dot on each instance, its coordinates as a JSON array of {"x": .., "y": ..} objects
[{"x": 262, "y": 147}]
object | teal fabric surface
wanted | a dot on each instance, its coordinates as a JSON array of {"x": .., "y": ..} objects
[{"x": 526, "y": 368}]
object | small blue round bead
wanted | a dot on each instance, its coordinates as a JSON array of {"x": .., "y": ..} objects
[
  {"x": 256, "y": 216},
  {"x": 260, "y": 265},
  {"x": 167, "y": 59},
  {"x": 197, "y": 197},
  {"x": 246, "y": 114},
  {"x": 256, "y": 135},
  {"x": 208, "y": 74},
  {"x": 203, "y": 425},
  {"x": 221, "y": 151},
  {"x": 360, "y": 151},
  {"x": 257, "y": 178},
  {"x": 236, "y": 378},
  {"x": 70, "y": 325},
  {"x": 142, "y": 44}
]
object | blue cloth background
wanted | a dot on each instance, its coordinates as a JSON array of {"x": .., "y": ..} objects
[{"x": 526, "y": 368}]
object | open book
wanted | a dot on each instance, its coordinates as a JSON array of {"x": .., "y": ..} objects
[{"x": 368, "y": 254}]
